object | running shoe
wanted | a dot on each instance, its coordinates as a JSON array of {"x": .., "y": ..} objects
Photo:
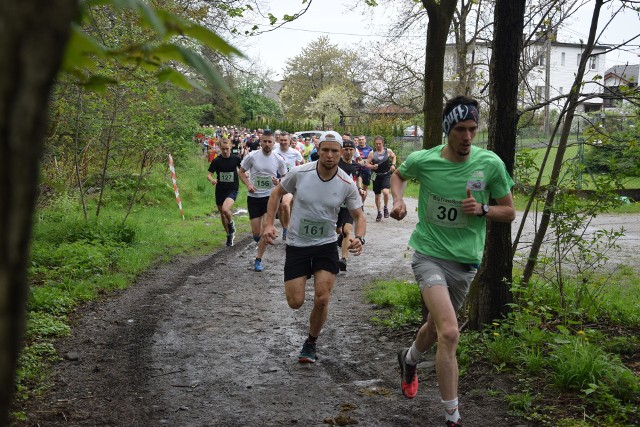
[
  {"x": 257, "y": 266},
  {"x": 386, "y": 212},
  {"x": 409, "y": 382},
  {"x": 232, "y": 228},
  {"x": 230, "y": 239},
  {"x": 452, "y": 424},
  {"x": 308, "y": 353},
  {"x": 342, "y": 264},
  {"x": 284, "y": 234},
  {"x": 379, "y": 217}
]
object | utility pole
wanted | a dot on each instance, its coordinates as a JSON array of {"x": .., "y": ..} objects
[{"x": 547, "y": 82}]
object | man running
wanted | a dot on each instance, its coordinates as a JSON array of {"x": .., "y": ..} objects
[
  {"x": 263, "y": 167},
  {"x": 382, "y": 162},
  {"x": 345, "y": 220},
  {"x": 225, "y": 166},
  {"x": 365, "y": 174},
  {"x": 319, "y": 188},
  {"x": 292, "y": 158},
  {"x": 456, "y": 181}
]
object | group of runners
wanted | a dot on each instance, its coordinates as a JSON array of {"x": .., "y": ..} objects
[{"x": 320, "y": 207}]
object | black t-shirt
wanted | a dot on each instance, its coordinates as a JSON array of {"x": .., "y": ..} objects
[
  {"x": 253, "y": 145},
  {"x": 352, "y": 169},
  {"x": 235, "y": 146},
  {"x": 226, "y": 170}
]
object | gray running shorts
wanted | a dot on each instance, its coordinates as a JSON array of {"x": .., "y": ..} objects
[{"x": 456, "y": 276}]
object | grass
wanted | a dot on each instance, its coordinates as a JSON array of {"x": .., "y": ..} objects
[
  {"x": 74, "y": 261},
  {"x": 577, "y": 358}
]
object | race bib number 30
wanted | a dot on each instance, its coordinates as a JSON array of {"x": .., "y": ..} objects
[
  {"x": 446, "y": 212},
  {"x": 226, "y": 177},
  {"x": 311, "y": 228},
  {"x": 262, "y": 182}
]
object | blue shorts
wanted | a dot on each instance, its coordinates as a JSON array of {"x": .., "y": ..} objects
[{"x": 365, "y": 175}]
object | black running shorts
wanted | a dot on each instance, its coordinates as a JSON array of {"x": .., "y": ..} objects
[{"x": 304, "y": 261}]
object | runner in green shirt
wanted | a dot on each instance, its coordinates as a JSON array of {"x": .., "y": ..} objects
[{"x": 456, "y": 181}]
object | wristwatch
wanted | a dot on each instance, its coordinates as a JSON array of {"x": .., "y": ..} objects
[
  {"x": 361, "y": 239},
  {"x": 485, "y": 210}
]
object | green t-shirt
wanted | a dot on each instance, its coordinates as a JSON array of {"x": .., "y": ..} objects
[{"x": 443, "y": 230}]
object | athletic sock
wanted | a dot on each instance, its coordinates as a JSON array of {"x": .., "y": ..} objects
[
  {"x": 451, "y": 412},
  {"x": 413, "y": 355},
  {"x": 312, "y": 339}
]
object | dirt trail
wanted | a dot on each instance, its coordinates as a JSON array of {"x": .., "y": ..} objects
[{"x": 209, "y": 342}]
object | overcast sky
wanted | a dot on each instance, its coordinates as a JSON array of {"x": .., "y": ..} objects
[{"x": 347, "y": 27}]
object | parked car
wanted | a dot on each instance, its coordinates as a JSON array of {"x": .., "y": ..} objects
[
  {"x": 309, "y": 133},
  {"x": 412, "y": 131}
]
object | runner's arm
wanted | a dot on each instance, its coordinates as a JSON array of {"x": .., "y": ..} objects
[
  {"x": 242, "y": 174},
  {"x": 370, "y": 164},
  {"x": 504, "y": 211},
  {"x": 270, "y": 233},
  {"x": 393, "y": 158},
  {"x": 355, "y": 246},
  {"x": 211, "y": 179},
  {"x": 398, "y": 187}
]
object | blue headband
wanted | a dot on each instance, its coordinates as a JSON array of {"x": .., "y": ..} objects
[{"x": 458, "y": 114}]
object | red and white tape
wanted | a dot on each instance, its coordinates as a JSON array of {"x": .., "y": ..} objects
[{"x": 175, "y": 185}]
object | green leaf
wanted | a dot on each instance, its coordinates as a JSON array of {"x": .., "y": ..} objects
[
  {"x": 168, "y": 74},
  {"x": 211, "y": 39},
  {"x": 272, "y": 19},
  {"x": 98, "y": 83},
  {"x": 81, "y": 51}
]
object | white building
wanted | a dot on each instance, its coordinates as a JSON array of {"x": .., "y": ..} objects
[{"x": 563, "y": 58}]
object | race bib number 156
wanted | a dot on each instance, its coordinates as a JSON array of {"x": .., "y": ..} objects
[{"x": 262, "y": 182}]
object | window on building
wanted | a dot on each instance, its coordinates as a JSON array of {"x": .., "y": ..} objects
[
  {"x": 579, "y": 58},
  {"x": 561, "y": 90},
  {"x": 562, "y": 57},
  {"x": 593, "y": 63},
  {"x": 541, "y": 61},
  {"x": 539, "y": 93}
]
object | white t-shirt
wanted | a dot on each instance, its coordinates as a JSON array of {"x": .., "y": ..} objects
[
  {"x": 262, "y": 168},
  {"x": 291, "y": 157},
  {"x": 317, "y": 203}
]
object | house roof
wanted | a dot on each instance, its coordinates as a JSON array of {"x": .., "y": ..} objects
[
  {"x": 625, "y": 72},
  {"x": 273, "y": 90}
]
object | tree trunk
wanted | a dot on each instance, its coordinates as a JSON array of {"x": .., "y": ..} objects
[
  {"x": 490, "y": 293},
  {"x": 572, "y": 102},
  {"x": 440, "y": 15},
  {"x": 33, "y": 35}
]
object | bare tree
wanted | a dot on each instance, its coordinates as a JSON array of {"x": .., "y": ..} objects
[
  {"x": 568, "y": 113},
  {"x": 440, "y": 16},
  {"x": 490, "y": 293}
]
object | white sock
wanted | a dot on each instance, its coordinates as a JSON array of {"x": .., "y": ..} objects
[
  {"x": 413, "y": 355},
  {"x": 451, "y": 412}
]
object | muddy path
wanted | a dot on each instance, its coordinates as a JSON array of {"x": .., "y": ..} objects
[{"x": 209, "y": 342}]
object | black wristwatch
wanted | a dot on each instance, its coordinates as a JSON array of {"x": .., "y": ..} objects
[
  {"x": 361, "y": 239},
  {"x": 485, "y": 210}
]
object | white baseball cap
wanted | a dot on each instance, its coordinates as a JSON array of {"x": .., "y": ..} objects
[{"x": 331, "y": 136}]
